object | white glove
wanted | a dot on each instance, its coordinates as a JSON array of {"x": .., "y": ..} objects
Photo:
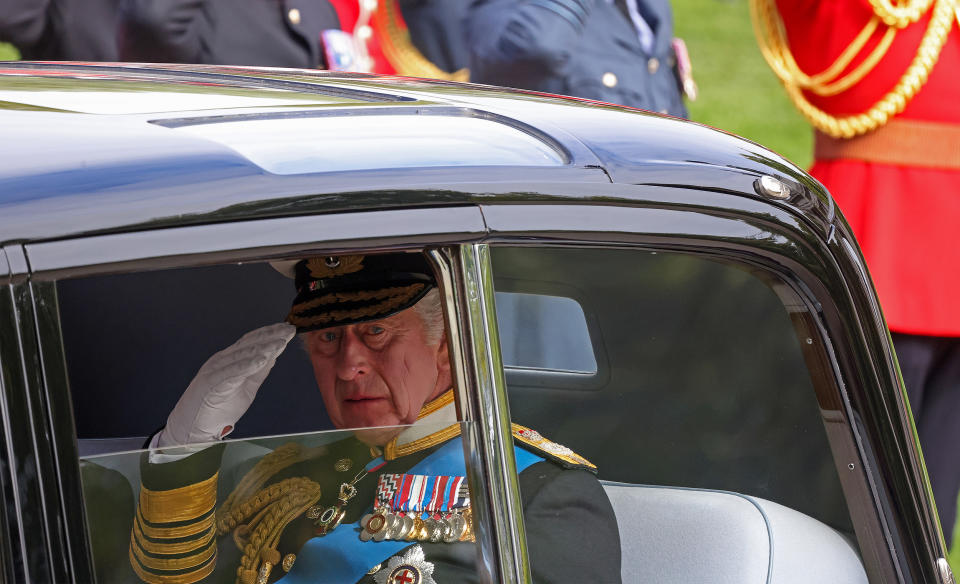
[{"x": 224, "y": 387}]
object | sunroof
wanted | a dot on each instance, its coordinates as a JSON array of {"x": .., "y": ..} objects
[{"x": 300, "y": 145}]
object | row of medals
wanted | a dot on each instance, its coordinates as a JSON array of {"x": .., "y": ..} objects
[{"x": 384, "y": 524}]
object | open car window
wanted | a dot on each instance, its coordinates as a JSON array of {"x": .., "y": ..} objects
[
  {"x": 700, "y": 413},
  {"x": 289, "y": 492}
]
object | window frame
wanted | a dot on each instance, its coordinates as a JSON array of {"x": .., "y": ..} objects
[
  {"x": 820, "y": 296},
  {"x": 258, "y": 240}
]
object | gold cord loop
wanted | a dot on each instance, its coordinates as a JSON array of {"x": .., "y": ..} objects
[
  {"x": 772, "y": 38},
  {"x": 401, "y": 52}
]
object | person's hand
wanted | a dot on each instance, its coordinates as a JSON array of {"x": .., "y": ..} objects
[{"x": 224, "y": 387}]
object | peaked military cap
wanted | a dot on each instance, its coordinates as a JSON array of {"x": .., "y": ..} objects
[{"x": 347, "y": 289}]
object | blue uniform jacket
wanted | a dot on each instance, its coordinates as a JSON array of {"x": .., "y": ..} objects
[{"x": 583, "y": 48}]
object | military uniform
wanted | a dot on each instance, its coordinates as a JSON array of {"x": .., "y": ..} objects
[
  {"x": 583, "y": 48},
  {"x": 413, "y": 38},
  {"x": 279, "y": 522},
  {"x": 880, "y": 87},
  {"x": 61, "y": 30},
  {"x": 278, "y": 33}
]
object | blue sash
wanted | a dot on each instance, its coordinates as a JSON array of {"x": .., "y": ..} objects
[{"x": 342, "y": 557}]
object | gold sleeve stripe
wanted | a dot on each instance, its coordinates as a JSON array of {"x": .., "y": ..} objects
[
  {"x": 186, "y": 530},
  {"x": 172, "y": 546},
  {"x": 173, "y": 562},
  {"x": 171, "y": 577},
  {"x": 182, "y": 504}
]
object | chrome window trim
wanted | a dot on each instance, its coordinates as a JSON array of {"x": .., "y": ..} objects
[{"x": 489, "y": 446}]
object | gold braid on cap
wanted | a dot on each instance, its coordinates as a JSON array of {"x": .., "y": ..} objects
[
  {"x": 772, "y": 38},
  {"x": 393, "y": 301}
]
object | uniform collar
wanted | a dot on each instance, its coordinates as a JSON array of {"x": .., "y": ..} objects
[{"x": 436, "y": 423}]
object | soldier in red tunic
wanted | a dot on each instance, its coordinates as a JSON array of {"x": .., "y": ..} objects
[{"x": 878, "y": 80}]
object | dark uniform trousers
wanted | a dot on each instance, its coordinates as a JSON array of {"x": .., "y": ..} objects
[
  {"x": 278, "y": 33},
  {"x": 572, "y": 534},
  {"x": 583, "y": 48},
  {"x": 931, "y": 373}
]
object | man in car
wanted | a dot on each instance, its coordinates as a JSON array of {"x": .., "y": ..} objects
[{"x": 388, "y": 504}]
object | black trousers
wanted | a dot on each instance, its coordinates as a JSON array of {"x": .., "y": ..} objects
[{"x": 931, "y": 373}]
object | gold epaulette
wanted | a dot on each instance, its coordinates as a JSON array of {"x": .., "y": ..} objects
[{"x": 532, "y": 440}]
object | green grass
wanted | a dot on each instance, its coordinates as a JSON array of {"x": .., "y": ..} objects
[
  {"x": 8, "y": 53},
  {"x": 738, "y": 92}
]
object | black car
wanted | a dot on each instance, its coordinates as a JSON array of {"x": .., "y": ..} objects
[{"x": 683, "y": 308}]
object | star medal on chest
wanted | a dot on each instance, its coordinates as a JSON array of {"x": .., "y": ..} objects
[
  {"x": 327, "y": 519},
  {"x": 413, "y": 507},
  {"x": 410, "y": 568}
]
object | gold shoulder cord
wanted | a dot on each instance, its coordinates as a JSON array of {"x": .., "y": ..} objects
[
  {"x": 266, "y": 514},
  {"x": 257, "y": 516},
  {"x": 772, "y": 38},
  {"x": 401, "y": 52},
  {"x": 266, "y": 467}
]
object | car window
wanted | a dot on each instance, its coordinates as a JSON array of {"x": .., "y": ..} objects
[
  {"x": 702, "y": 419},
  {"x": 548, "y": 332},
  {"x": 134, "y": 341},
  {"x": 267, "y": 500}
]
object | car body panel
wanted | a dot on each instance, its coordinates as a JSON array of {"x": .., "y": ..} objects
[{"x": 97, "y": 162}]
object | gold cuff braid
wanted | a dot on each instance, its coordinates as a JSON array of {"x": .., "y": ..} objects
[
  {"x": 184, "y": 563},
  {"x": 182, "y": 504},
  {"x": 154, "y": 578}
]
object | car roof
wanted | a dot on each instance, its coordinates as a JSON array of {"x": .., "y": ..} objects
[{"x": 94, "y": 148}]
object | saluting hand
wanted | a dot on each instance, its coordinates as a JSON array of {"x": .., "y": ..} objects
[{"x": 224, "y": 387}]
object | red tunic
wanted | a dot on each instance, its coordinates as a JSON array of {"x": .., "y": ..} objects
[
  {"x": 348, "y": 11},
  {"x": 905, "y": 218}
]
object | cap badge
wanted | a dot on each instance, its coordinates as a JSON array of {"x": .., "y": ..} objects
[{"x": 333, "y": 266}]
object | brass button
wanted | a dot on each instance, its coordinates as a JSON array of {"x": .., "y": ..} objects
[
  {"x": 294, "y": 16},
  {"x": 653, "y": 64},
  {"x": 609, "y": 79},
  {"x": 343, "y": 465}
]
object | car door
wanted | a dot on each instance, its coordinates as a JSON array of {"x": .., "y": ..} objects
[
  {"x": 107, "y": 331},
  {"x": 577, "y": 273}
]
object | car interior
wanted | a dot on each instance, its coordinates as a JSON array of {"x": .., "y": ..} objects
[{"x": 679, "y": 375}]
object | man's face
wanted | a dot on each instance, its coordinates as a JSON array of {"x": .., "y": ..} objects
[{"x": 378, "y": 373}]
